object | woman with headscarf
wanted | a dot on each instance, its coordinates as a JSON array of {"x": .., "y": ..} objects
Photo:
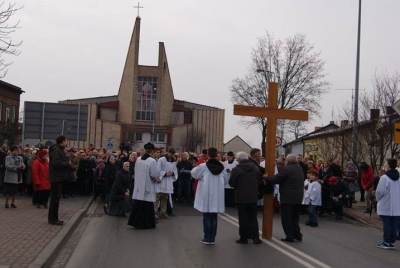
[{"x": 41, "y": 179}]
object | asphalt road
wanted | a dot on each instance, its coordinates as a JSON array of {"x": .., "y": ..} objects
[{"x": 109, "y": 242}]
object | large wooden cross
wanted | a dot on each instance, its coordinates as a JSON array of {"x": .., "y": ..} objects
[{"x": 272, "y": 113}]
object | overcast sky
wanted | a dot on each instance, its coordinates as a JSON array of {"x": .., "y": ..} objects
[{"x": 77, "y": 48}]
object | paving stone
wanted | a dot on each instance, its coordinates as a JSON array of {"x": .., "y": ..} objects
[{"x": 24, "y": 231}]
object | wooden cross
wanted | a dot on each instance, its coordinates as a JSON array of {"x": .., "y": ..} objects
[
  {"x": 272, "y": 113},
  {"x": 138, "y": 8}
]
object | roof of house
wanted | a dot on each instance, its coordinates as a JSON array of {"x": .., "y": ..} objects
[
  {"x": 237, "y": 137},
  {"x": 324, "y": 129},
  {"x": 11, "y": 87}
]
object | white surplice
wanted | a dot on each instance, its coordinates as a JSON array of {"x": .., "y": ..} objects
[
  {"x": 167, "y": 182},
  {"x": 146, "y": 175},
  {"x": 210, "y": 194}
]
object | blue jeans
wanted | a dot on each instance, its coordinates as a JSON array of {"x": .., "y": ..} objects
[
  {"x": 390, "y": 224},
  {"x": 398, "y": 230},
  {"x": 210, "y": 223},
  {"x": 312, "y": 214}
]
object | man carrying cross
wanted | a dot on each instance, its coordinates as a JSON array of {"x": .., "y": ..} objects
[{"x": 272, "y": 113}]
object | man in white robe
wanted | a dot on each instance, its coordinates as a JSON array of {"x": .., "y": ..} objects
[
  {"x": 212, "y": 178},
  {"x": 168, "y": 175},
  {"x": 147, "y": 176}
]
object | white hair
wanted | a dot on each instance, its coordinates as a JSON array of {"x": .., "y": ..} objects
[
  {"x": 291, "y": 159},
  {"x": 240, "y": 156}
]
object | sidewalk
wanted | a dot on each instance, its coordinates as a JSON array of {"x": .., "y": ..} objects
[
  {"x": 24, "y": 232},
  {"x": 357, "y": 213}
]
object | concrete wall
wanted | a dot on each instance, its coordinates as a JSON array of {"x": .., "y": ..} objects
[
  {"x": 209, "y": 124},
  {"x": 108, "y": 114}
]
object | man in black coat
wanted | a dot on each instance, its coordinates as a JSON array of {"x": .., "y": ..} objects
[
  {"x": 291, "y": 189},
  {"x": 246, "y": 178},
  {"x": 60, "y": 171}
]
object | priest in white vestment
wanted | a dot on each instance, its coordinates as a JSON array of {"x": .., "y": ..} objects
[{"x": 147, "y": 176}]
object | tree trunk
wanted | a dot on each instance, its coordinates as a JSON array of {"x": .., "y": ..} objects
[{"x": 264, "y": 138}]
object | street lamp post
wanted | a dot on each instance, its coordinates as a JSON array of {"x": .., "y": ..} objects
[{"x": 356, "y": 90}]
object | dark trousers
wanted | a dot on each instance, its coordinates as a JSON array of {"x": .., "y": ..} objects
[
  {"x": 390, "y": 224},
  {"x": 184, "y": 189},
  {"x": 313, "y": 215},
  {"x": 248, "y": 224},
  {"x": 42, "y": 197},
  {"x": 290, "y": 215},
  {"x": 55, "y": 195},
  {"x": 210, "y": 224},
  {"x": 398, "y": 230},
  {"x": 337, "y": 206}
]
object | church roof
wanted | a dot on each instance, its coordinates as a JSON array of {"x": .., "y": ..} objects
[
  {"x": 192, "y": 105},
  {"x": 101, "y": 99}
]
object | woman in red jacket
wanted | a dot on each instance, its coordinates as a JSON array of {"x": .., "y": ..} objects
[
  {"x": 367, "y": 183},
  {"x": 41, "y": 179}
]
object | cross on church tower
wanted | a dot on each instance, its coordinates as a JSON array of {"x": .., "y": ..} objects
[{"x": 138, "y": 9}]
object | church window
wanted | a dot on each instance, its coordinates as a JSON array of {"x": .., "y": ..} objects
[{"x": 146, "y": 98}]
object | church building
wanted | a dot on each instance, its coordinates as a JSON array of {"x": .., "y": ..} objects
[{"x": 145, "y": 110}]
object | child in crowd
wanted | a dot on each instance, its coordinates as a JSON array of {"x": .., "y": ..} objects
[{"x": 312, "y": 197}]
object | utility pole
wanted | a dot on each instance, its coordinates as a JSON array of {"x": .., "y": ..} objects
[{"x": 356, "y": 91}]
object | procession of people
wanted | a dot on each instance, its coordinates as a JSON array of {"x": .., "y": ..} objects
[{"x": 146, "y": 185}]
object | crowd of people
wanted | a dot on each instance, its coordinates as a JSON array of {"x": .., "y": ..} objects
[{"x": 146, "y": 184}]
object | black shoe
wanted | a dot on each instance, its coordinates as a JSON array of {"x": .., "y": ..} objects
[
  {"x": 289, "y": 240},
  {"x": 242, "y": 241},
  {"x": 13, "y": 206},
  {"x": 7, "y": 206},
  {"x": 58, "y": 223},
  {"x": 257, "y": 241},
  {"x": 299, "y": 239}
]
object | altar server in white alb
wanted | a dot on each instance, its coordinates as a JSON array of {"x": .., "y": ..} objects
[
  {"x": 168, "y": 175},
  {"x": 212, "y": 178},
  {"x": 147, "y": 176},
  {"x": 230, "y": 164},
  {"x": 312, "y": 197}
]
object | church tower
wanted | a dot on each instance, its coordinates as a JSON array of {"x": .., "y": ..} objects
[{"x": 145, "y": 95}]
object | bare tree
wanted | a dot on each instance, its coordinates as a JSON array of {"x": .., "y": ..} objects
[
  {"x": 297, "y": 68},
  {"x": 378, "y": 140},
  {"x": 297, "y": 129},
  {"x": 7, "y": 27}
]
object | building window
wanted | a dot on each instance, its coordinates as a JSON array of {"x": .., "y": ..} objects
[
  {"x": 8, "y": 114},
  {"x": 159, "y": 138},
  {"x": 146, "y": 98},
  {"x": 138, "y": 137},
  {"x": 13, "y": 114}
]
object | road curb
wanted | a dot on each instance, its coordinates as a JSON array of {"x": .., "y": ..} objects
[
  {"x": 50, "y": 251},
  {"x": 359, "y": 220}
]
